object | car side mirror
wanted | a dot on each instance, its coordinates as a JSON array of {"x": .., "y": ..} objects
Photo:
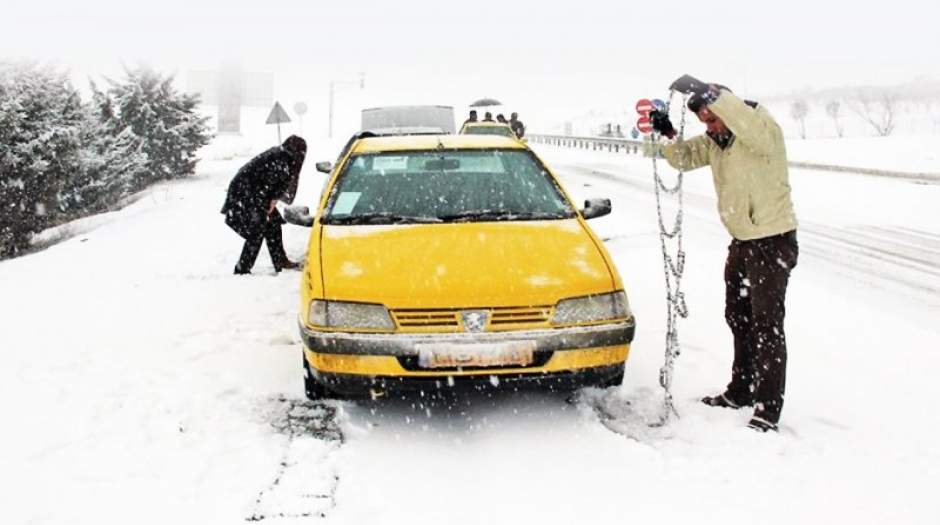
[
  {"x": 324, "y": 166},
  {"x": 596, "y": 208},
  {"x": 299, "y": 215}
]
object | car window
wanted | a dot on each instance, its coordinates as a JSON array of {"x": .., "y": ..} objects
[
  {"x": 431, "y": 186},
  {"x": 504, "y": 131}
]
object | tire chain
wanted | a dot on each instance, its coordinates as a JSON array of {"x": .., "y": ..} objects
[{"x": 673, "y": 267}]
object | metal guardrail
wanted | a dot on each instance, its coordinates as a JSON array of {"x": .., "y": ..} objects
[
  {"x": 616, "y": 145},
  {"x": 932, "y": 178},
  {"x": 592, "y": 143}
]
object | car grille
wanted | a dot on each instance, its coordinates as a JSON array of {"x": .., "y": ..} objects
[{"x": 501, "y": 318}]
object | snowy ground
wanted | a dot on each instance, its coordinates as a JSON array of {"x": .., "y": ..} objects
[
  {"x": 144, "y": 383},
  {"x": 917, "y": 154}
]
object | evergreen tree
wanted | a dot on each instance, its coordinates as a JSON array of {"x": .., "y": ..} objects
[
  {"x": 166, "y": 122},
  {"x": 112, "y": 163},
  {"x": 41, "y": 116},
  {"x": 61, "y": 159}
]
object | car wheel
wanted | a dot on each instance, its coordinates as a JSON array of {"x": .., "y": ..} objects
[
  {"x": 616, "y": 380},
  {"x": 312, "y": 388}
]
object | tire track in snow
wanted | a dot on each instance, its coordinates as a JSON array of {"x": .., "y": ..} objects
[
  {"x": 899, "y": 260},
  {"x": 306, "y": 481}
]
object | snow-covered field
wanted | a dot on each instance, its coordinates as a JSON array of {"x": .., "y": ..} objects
[
  {"x": 917, "y": 154},
  {"x": 143, "y": 383}
]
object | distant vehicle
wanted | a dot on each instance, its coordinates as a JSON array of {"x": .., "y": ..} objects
[
  {"x": 488, "y": 128},
  {"x": 411, "y": 120},
  {"x": 444, "y": 260}
]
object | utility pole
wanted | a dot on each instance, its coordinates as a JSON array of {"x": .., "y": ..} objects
[{"x": 339, "y": 83}]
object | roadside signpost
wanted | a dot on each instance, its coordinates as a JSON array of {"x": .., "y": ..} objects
[
  {"x": 643, "y": 108},
  {"x": 300, "y": 108},
  {"x": 277, "y": 116}
]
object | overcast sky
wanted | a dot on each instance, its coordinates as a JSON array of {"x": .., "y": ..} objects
[{"x": 557, "y": 59}]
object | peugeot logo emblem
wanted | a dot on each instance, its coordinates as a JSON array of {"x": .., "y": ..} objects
[{"x": 474, "y": 320}]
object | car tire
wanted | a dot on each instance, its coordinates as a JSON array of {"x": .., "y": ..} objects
[
  {"x": 312, "y": 388},
  {"x": 616, "y": 380}
]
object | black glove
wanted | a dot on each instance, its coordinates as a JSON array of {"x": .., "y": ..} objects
[
  {"x": 702, "y": 94},
  {"x": 687, "y": 84},
  {"x": 661, "y": 123}
]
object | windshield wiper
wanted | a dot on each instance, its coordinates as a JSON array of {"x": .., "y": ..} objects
[
  {"x": 380, "y": 218},
  {"x": 502, "y": 215}
]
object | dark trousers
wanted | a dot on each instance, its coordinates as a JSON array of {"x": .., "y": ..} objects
[
  {"x": 756, "y": 276},
  {"x": 270, "y": 233}
]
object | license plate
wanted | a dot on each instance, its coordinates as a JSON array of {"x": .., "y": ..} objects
[{"x": 452, "y": 355}]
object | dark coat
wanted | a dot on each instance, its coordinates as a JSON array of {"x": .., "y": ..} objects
[
  {"x": 517, "y": 127},
  {"x": 272, "y": 175}
]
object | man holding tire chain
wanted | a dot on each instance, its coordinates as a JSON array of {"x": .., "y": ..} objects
[{"x": 745, "y": 148}]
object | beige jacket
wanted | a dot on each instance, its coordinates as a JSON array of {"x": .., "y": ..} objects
[{"x": 750, "y": 175}]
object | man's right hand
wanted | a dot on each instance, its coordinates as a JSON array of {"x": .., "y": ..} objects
[
  {"x": 687, "y": 84},
  {"x": 271, "y": 207},
  {"x": 661, "y": 123}
]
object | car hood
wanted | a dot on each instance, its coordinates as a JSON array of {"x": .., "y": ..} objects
[{"x": 460, "y": 265}]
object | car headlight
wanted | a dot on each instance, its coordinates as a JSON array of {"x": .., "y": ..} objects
[
  {"x": 341, "y": 314},
  {"x": 592, "y": 308}
]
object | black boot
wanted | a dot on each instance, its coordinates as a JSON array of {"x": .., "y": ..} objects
[
  {"x": 724, "y": 400},
  {"x": 761, "y": 425}
]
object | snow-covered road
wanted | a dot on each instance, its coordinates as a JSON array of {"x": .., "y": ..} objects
[
  {"x": 141, "y": 382},
  {"x": 863, "y": 236}
]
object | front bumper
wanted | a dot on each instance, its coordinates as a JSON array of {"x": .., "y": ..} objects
[
  {"x": 349, "y": 362},
  {"x": 359, "y": 385},
  {"x": 399, "y": 344}
]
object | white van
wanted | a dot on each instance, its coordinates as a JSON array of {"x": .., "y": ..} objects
[{"x": 409, "y": 119}]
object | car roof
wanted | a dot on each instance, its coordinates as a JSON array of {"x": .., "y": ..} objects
[
  {"x": 434, "y": 142},
  {"x": 406, "y": 130}
]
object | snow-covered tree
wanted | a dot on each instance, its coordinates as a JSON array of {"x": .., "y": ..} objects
[
  {"x": 798, "y": 110},
  {"x": 61, "y": 159},
  {"x": 166, "y": 121},
  {"x": 111, "y": 163},
  {"x": 833, "y": 109},
  {"x": 41, "y": 118},
  {"x": 878, "y": 108}
]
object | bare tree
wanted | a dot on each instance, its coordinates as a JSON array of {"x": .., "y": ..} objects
[
  {"x": 798, "y": 110},
  {"x": 878, "y": 109},
  {"x": 832, "y": 109}
]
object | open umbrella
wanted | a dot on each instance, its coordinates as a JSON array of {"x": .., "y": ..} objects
[{"x": 486, "y": 102}]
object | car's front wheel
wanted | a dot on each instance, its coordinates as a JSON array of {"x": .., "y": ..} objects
[
  {"x": 616, "y": 380},
  {"x": 312, "y": 388}
]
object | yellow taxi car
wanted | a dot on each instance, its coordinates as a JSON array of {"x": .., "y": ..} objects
[
  {"x": 437, "y": 261},
  {"x": 487, "y": 128}
]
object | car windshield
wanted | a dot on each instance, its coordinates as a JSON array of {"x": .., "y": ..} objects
[
  {"x": 445, "y": 186},
  {"x": 504, "y": 131}
]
